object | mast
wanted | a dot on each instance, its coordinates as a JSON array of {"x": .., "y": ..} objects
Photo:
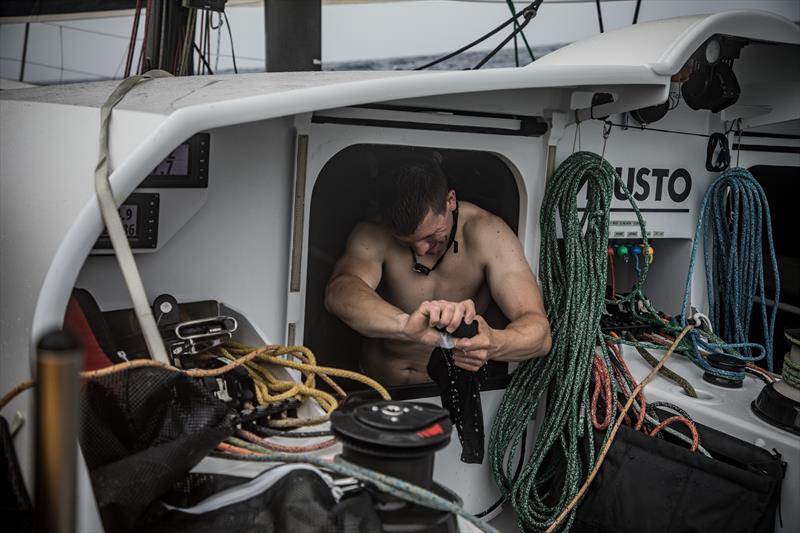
[{"x": 293, "y": 35}]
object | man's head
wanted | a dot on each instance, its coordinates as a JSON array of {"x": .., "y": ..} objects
[{"x": 416, "y": 205}]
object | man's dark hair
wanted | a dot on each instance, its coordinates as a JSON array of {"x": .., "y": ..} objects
[{"x": 408, "y": 190}]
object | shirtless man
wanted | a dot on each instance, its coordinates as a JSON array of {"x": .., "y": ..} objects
[{"x": 379, "y": 286}]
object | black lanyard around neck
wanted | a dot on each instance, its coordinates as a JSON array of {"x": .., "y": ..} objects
[{"x": 422, "y": 269}]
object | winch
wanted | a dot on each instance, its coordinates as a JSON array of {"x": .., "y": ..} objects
[
  {"x": 399, "y": 439},
  {"x": 779, "y": 402}
]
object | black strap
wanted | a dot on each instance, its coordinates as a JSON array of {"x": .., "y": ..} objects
[
  {"x": 717, "y": 142},
  {"x": 418, "y": 267},
  {"x": 460, "y": 391}
]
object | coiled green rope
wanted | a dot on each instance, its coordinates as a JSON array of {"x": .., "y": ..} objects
[
  {"x": 573, "y": 285},
  {"x": 791, "y": 372}
]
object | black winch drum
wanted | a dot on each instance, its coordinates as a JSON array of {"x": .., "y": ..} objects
[
  {"x": 399, "y": 439},
  {"x": 728, "y": 364},
  {"x": 396, "y": 438}
]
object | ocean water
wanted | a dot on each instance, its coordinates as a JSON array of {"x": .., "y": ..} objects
[{"x": 467, "y": 60}]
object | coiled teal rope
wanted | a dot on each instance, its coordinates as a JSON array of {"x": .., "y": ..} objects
[
  {"x": 573, "y": 285},
  {"x": 732, "y": 216}
]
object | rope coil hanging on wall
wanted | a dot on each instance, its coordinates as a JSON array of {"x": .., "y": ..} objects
[
  {"x": 733, "y": 214},
  {"x": 574, "y": 300},
  {"x": 554, "y": 478}
]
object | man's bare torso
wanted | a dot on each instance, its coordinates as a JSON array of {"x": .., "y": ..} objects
[{"x": 458, "y": 277}]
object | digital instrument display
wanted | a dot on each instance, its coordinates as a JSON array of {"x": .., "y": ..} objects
[
  {"x": 185, "y": 167},
  {"x": 129, "y": 215},
  {"x": 175, "y": 164},
  {"x": 139, "y": 216}
]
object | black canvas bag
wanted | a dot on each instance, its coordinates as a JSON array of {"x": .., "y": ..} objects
[
  {"x": 141, "y": 432},
  {"x": 649, "y": 484}
]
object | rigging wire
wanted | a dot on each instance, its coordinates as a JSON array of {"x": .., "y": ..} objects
[
  {"x": 207, "y": 39},
  {"x": 642, "y": 127},
  {"x": 636, "y": 11},
  {"x": 599, "y": 15},
  {"x": 201, "y": 25},
  {"x": 230, "y": 34},
  {"x": 516, "y": 26},
  {"x": 186, "y": 62},
  {"x": 143, "y": 51},
  {"x": 61, "y": 54},
  {"x": 24, "y": 51},
  {"x": 86, "y": 30},
  {"x": 510, "y": 4},
  {"x": 118, "y": 70},
  {"x": 218, "y": 30},
  {"x": 533, "y": 5},
  {"x": 54, "y": 67},
  {"x": 528, "y": 14},
  {"x": 205, "y": 33},
  {"x": 132, "y": 42}
]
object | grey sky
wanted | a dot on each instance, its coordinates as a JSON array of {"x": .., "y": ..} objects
[{"x": 96, "y": 48}]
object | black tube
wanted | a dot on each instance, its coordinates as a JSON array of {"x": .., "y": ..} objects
[
  {"x": 24, "y": 51},
  {"x": 599, "y": 15},
  {"x": 58, "y": 364}
]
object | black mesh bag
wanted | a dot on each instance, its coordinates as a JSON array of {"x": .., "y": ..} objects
[
  {"x": 654, "y": 485},
  {"x": 299, "y": 502},
  {"x": 141, "y": 432},
  {"x": 16, "y": 509}
]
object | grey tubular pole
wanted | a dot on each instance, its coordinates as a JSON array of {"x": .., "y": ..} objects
[
  {"x": 152, "y": 46},
  {"x": 293, "y": 35},
  {"x": 58, "y": 365}
]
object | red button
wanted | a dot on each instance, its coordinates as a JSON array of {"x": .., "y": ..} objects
[{"x": 431, "y": 431}]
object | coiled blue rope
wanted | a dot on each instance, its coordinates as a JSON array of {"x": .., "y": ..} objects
[{"x": 733, "y": 214}]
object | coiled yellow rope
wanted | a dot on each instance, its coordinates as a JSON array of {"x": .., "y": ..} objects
[{"x": 268, "y": 388}]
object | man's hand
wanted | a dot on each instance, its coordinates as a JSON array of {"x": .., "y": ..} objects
[
  {"x": 471, "y": 354},
  {"x": 421, "y": 325}
]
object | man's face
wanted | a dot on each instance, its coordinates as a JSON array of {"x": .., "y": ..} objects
[{"x": 431, "y": 236}]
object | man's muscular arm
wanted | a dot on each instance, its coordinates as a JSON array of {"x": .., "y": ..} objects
[
  {"x": 351, "y": 293},
  {"x": 515, "y": 291}
]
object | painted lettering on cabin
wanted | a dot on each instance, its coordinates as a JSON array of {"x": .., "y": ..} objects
[{"x": 647, "y": 183}]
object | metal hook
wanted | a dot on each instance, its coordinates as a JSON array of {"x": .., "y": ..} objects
[{"x": 607, "y": 125}]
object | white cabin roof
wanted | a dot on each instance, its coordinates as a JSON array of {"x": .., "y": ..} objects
[
  {"x": 643, "y": 54},
  {"x": 665, "y": 45}
]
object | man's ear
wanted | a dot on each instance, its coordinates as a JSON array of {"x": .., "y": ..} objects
[{"x": 451, "y": 200}]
